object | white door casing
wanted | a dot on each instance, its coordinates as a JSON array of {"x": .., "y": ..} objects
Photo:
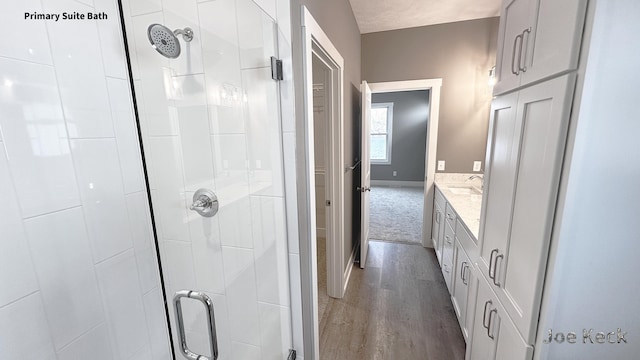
[{"x": 365, "y": 177}]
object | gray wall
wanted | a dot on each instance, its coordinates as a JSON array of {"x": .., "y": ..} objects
[
  {"x": 460, "y": 53},
  {"x": 409, "y": 136}
]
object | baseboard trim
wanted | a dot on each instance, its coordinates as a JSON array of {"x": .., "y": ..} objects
[
  {"x": 321, "y": 232},
  {"x": 347, "y": 273},
  {"x": 396, "y": 183}
]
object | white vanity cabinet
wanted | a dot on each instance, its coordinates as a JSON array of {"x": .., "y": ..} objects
[
  {"x": 494, "y": 334},
  {"x": 524, "y": 159},
  {"x": 537, "y": 39}
]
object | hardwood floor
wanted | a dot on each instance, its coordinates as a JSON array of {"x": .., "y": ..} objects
[{"x": 396, "y": 308}]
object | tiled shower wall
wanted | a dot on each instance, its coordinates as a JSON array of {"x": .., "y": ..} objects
[
  {"x": 211, "y": 119},
  {"x": 78, "y": 270}
]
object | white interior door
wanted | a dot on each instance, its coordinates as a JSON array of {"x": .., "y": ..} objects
[{"x": 365, "y": 183}]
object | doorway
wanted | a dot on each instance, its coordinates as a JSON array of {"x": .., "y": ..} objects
[
  {"x": 432, "y": 87},
  {"x": 398, "y": 131}
]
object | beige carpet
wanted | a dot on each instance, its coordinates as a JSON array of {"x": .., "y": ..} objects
[{"x": 396, "y": 214}]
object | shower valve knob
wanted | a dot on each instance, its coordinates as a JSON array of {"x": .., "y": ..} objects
[{"x": 205, "y": 203}]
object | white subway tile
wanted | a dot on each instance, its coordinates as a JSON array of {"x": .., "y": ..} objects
[
  {"x": 17, "y": 277},
  {"x": 179, "y": 265},
  {"x": 157, "y": 325},
  {"x": 122, "y": 299},
  {"x": 239, "y": 273},
  {"x": 124, "y": 123},
  {"x": 80, "y": 72},
  {"x": 227, "y": 119},
  {"x": 179, "y": 14},
  {"x": 139, "y": 7},
  {"x": 235, "y": 223},
  {"x": 270, "y": 249},
  {"x": 191, "y": 106},
  {"x": 112, "y": 46},
  {"x": 220, "y": 52},
  {"x": 94, "y": 345},
  {"x": 143, "y": 354},
  {"x": 147, "y": 264},
  {"x": 36, "y": 139},
  {"x": 62, "y": 258},
  {"x": 156, "y": 79},
  {"x": 246, "y": 351},
  {"x": 207, "y": 252},
  {"x": 291, "y": 192},
  {"x": 100, "y": 183},
  {"x": 24, "y": 332},
  {"x": 256, "y": 34},
  {"x": 33, "y": 44},
  {"x": 230, "y": 167},
  {"x": 263, "y": 133},
  {"x": 139, "y": 219},
  {"x": 275, "y": 323},
  {"x": 296, "y": 302}
]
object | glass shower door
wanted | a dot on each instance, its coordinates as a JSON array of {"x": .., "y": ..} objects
[{"x": 210, "y": 120}]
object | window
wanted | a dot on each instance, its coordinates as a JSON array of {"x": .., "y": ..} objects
[{"x": 381, "y": 125}]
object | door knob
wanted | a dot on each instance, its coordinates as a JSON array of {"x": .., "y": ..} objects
[{"x": 205, "y": 203}]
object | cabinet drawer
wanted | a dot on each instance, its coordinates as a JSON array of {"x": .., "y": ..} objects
[
  {"x": 450, "y": 216},
  {"x": 467, "y": 241},
  {"x": 447, "y": 242}
]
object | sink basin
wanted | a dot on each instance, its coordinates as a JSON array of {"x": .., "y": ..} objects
[{"x": 464, "y": 190}]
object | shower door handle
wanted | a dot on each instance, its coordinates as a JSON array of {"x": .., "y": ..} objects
[{"x": 211, "y": 324}]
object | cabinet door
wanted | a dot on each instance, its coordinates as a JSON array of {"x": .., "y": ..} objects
[
  {"x": 483, "y": 344},
  {"x": 516, "y": 17},
  {"x": 447, "y": 256},
  {"x": 435, "y": 230},
  {"x": 543, "y": 111},
  {"x": 518, "y": 246},
  {"x": 494, "y": 334},
  {"x": 499, "y": 179},
  {"x": 462, "y": 273},
  {"x": 554, "y": 44}
]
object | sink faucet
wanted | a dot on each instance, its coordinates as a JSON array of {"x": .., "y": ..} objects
[{"x": 478, "y": 177}]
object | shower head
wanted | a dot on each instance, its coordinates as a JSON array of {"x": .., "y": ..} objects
[{"x": 165, "y": 41}]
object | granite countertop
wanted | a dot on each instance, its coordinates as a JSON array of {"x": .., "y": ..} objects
[{"x": 466, "y": 205}]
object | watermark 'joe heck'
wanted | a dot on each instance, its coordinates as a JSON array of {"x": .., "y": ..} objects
[{"x": 588, "y": 337}]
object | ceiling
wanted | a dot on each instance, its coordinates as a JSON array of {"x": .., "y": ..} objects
[{"x": 382, "y": 15}]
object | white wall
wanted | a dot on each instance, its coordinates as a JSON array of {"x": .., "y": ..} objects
[
  {"x": 211, "y": 119},
  {"x": 593, "y": 280},
  {"x": 78, "y": 272}
]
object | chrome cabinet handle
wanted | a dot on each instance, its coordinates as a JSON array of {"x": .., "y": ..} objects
[
  {"x": 448, "y": 240},
  {"x": 513, "y": 55},
  {"x": 205, "y": 203},
  {"x": 211, "y": 324},
  {"x": 489, "y": 332},
  {"x": 464, "y": 263},
  {"x": 494, "y": 251},
  {"x": 450, "y": 217},
  {"x": 523, "y": 48},
  {"x": 484, "y": 314},
  {"x": 495, "y": 268},
  {"x": 465, "y": 279}
]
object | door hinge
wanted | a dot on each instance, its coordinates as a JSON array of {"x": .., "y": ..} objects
[
  {"x": 292, "y": 355},
  {"x": 276, "y": 69},
  {"x": 328, "y": 202}
]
